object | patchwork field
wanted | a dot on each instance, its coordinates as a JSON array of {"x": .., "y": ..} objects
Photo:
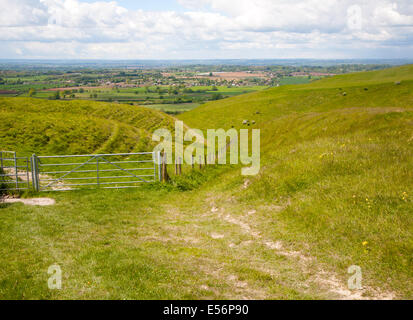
[{"x": 170, "y": 100}]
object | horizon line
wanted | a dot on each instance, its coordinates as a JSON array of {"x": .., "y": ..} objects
[{"x": 202, "y": 59}]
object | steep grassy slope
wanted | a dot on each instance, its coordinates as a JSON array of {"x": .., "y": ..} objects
[
  {"x": 340, "y": 161},
  {"x": 57, "y": 127},
  {"x": 278, "y": 102}
]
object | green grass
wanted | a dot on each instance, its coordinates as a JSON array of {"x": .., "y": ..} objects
[
  {"x": 346, "y": 175},
  {"x": 76, "y": 127},
  {"x": 294, "y": 80},
  {"x": 335, "y": 186},
  {"x": 110, "y": 249},
  {"x": 180, "y": 108}
]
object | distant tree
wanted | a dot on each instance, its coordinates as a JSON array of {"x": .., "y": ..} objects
[
  {"x": 57, "y": 95},
  {"x": 81, "y": 90},
  {"x": 217, "y": 96}
]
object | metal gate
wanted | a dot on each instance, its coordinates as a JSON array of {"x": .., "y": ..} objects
[
  {"x": 106, "y": 171},
  {"x": 15, "y": 173}
]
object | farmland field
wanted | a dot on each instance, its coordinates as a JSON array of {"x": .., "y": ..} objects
[
  {"x": 171, "y": 108},
  {"x": 297, "y": 80},
  {"x": 153, "y": 97}
]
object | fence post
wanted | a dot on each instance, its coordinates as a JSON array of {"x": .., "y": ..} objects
[
  {"x": 180, "y": 166},
  {"x": 193, "y": 162},
  {"x": 163, "y": 167},
  {"x": 165, "y": 176},
  {"x": 27, "y": 173},
  {"x": 31, "y": 167},
  {"x": 97, "y": 171},
  {"x": 1, "y": 160},
  {"x": 159, "y": 166},
  {"x": 16, "y": 173},
  {"x": 35, "y": 173}
]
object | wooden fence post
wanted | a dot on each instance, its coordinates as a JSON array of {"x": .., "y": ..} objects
[
  {"x": 158, "y": 155},
  {"x": 165, "y": 176}
]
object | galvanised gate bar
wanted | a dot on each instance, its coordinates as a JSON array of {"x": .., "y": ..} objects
[
  {"x": 15, "y": 172},
  {"x": 72, "y": 172}
]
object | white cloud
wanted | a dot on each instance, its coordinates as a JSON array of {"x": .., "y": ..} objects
[
  {"x": 388, "y": 15},
  {"x": 208, "y": 28},
  {"x": 22, "y": 13}
]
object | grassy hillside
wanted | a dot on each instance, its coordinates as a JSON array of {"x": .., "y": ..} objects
[
  {"x": 335, "y": 190},
  {"x": 396, "y": 74},
  {"x": 343, "y": 161},
  {"x": 278, "y": 102},
  {"x": 76, "y": 127}
]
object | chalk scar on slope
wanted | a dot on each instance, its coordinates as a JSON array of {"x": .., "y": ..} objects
[
  {"x": 240, "y": 288},
  {"x": 324, "y": 279},
  {"x": 31, "y": 202}
]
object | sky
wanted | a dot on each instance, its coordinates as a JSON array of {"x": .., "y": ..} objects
[{"x": 206, "y": 29}]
